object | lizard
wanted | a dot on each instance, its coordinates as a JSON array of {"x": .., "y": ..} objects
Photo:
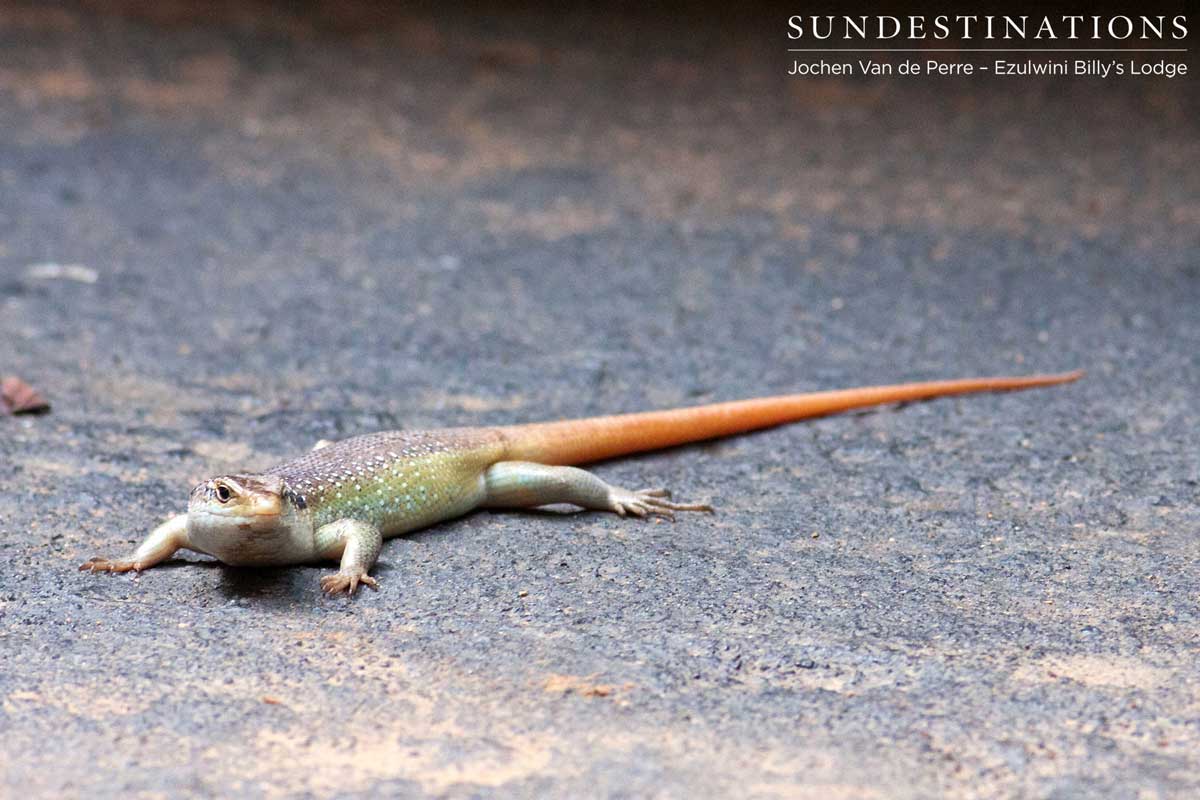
[{"x": 341, "y": 500}]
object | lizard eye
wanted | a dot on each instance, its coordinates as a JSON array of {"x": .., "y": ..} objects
[{"x": 223, "y": 493}]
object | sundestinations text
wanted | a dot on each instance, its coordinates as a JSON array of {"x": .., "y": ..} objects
[{"x": 975, "y": 26}]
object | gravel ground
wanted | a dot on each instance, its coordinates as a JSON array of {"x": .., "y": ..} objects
[{"x": 273, "y": 226}]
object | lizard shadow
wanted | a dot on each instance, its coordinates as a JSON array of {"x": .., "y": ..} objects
[
  {"x": 258, "y": 583},
  {"x": 286, "y": 586},
  {"x": 275, "y": 587},
  {"x": 561, "y": 513},
  {"x": 283, "y": 587}
]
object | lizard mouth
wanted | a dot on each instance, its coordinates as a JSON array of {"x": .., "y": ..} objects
[
  {"x": 231, "y": 514},
  {"x": 221, "y": 527}
]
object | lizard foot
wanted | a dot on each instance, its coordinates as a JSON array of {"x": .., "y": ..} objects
[
  {"x": 650, "y": 503},
  {"x": 104, "y": 565},
  {"x": 348, "y": 583}
]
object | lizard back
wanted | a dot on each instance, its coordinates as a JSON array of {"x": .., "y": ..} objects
[{"x": 395, "y": 480}]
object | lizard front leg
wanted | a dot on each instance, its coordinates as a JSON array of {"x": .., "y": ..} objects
[
  {"x": 160, "y": 545},
  {"x": 357, "y": 544},
  {"x": 523, "y": 484}
]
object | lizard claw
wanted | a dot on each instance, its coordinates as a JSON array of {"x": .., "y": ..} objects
[
  {"x": 650, "y": 503},
  {"x": 104, "y": 565},
  {"x": 342, "y": 582}
]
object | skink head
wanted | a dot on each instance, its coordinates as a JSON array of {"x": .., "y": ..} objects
[
  {"x": 243, "y": 518},
  {"x": 250, "y": 500}
]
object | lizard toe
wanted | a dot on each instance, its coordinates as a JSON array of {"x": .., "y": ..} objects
[
  {"x": 104, "y": 565},
  {"x": 670, "y": 506},
  {"x": 340, "y": 582},
  {"x": 335, "y": 584}
]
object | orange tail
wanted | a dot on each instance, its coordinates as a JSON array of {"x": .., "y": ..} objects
[{"x": 579, "y": 441}]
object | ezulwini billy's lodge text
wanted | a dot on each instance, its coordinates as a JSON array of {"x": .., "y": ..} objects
[{"x": 1082, "y": 67}]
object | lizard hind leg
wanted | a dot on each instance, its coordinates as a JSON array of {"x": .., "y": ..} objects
[{"x": 524, "y": 484}]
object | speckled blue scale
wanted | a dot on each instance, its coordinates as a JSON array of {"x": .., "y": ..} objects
[{"x": 395, "y": 480}]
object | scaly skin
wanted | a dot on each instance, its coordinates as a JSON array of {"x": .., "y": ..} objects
[{"x": 341, "y": 500}]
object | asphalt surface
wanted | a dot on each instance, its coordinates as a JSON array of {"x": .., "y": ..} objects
[{"x": 228, "y": 231}]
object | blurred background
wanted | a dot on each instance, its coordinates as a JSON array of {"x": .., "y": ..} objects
[{"x": 230, "y": 229}]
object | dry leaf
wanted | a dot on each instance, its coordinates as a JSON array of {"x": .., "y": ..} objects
[{"x": 18, "y": 397}]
